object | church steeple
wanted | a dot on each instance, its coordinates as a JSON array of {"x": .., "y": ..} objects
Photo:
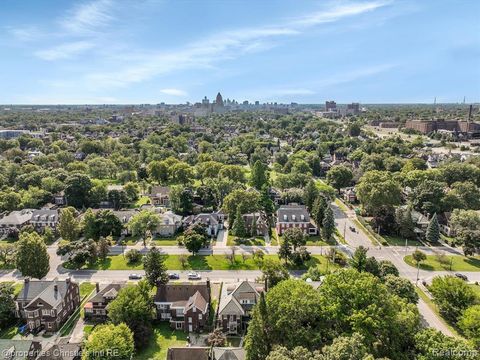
[{"x": 219, "y": 100}]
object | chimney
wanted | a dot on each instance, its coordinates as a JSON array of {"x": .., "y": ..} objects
[
  {"x": 67, "y": 281},
  {"x": 26, "y": 280},
  {"x": 55, "y": 287},
  {"x": 97, "y": 287}
]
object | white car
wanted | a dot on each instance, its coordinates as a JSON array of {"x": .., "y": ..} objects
[{"x": 194, "y": 276}]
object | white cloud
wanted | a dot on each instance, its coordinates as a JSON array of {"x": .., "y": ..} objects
[
  {"x": 86, "y": 18},
  {"x": 174, "y": 92},
  {"x": 27, "y": 33},
  {"x": 64, "y": 51},
  {"x": 222, "y": 46}
]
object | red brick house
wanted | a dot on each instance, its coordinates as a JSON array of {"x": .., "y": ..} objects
[
  {"x": 96, "y": 308},
  {"x": 185, "y": 306},
  {"x": 290, "y": 216},
  {"x": 47, "y": 303}
]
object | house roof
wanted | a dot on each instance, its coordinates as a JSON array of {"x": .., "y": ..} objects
[
  {"x": 45, "y": 215},
  {"x": 188, "y": 353},
  {"x": 19, "y": 217},
  {"x": 160, "y": 191},
  {"x": 109, "y": 290},
  {"x": 228, "y": 353},
  {"x": 170, "y": 218},
  {"x": 204, "y": 218},
  {"x": 44, "y": 290},
  {"x": 17, "y": 348},
  {"x": 181, "y": 292},
  {"x": 230, "y": 305},
  {"x": 232, "y": 294},
  {"x": 197, "y": 301},
  {"x": 293, "y": 213}
]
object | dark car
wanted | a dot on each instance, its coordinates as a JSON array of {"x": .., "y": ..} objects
[
  {"x": 352, "y": 229},
  {"x": 173, "y": 276},
  {"x": 38, "y": 329},
  {"x": 134, "y": 277},
  {"x": 461, "y": 276}
]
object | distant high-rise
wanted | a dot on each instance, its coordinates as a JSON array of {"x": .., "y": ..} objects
[
  {"x": 205, "y": 101},
  {"x": 219, "y": 100},
  {"x": 330, "y": 106}
]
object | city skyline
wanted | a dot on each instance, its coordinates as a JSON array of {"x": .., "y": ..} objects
[{"x": 98, "y": 52}]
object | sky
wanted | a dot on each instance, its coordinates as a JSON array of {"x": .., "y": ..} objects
[{"x": 174, "y": 51}]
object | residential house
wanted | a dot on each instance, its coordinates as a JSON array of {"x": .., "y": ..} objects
[
  {"x": 223, "y": 353},
  {"x": 294, "y": 216},
  {"x": 19, "y": 349},
  {"x": 170, "y": 223},
  {"x": 16, "y": 219},
  {"x": 256, "y": 223},
  {"x": 59, "y": 199},
  {"x": 160, "y": 196},
  {"x": 47, "y": 303},
  {"x": 61, "y": 349},
  {"x": 43, "y": 218},
  {"x": 96, "y": 308},
  {"x": 185, "y": 306},
  {"x": 350, "y": 195},
  {"x": 124, "y": 216},
  {"x": 236, "y": 302},
  {"x": 188, "y": 353},
  {"x": 445, "y": 225},
  {"x": 213, "y": 222}
]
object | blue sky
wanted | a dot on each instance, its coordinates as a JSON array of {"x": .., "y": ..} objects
[{"x": 149, "y": 51}]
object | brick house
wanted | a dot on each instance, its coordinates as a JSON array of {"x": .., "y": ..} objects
[
  {"x": 236, "y": 302},
  {"x": 96, "y": 308},
  {"x": 47, "y": 303},
  {"x": 258, "y": 220},
  {"x": 291, "y": 216},
  {"x": 186, "y": 306}
]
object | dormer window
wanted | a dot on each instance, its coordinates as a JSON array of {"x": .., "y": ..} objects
[
  {"x": 285, "y": 217},
  {"x": 294, "y": 218},
  {"x": 302, "y": 217}
]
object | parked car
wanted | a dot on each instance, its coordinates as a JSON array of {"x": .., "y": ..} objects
[
  {"x": 173, "y": 276},
  {"x": 194, "y": 276},
  {"x": 352, "y": 229},
  {"x": 461, "y": 276},
  {"x": 134, "y": 277},
  {"x": 38, "y": 329}
]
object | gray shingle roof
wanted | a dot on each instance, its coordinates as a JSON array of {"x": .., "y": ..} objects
[{"x": 293, "y": 213}]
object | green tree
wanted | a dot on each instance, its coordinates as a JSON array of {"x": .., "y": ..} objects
[
  {"x": 359, "y": 259},
  {"x": 470, "y": 324},
  {"x": 452, "y": 296},
  {"x": 48, "y": 235},
  {"x": 109, "y": 342},
  {"x": 346, "y": 348},
  {"x": 77, "y": 190},
  {"x": 32, "y": 258},
  {"x": 431, "y": 344},
  {"x": 401, "y": 287},
  {"x": 246, "y": 201},
  {"x": 7, "y": 305},
  {"x": 103, "y": 247},
  {"x": 339, "y": 176},
  {"x": 273, "y": 272},
  {"x": 181, "y": 199},
  {"x": 239, "y": 228},
  {"x": 89, "y": 224},
  {"x": 295, "y": 237},
  {"x": 318, "y": 211},
  {"x": 133, "y": 306},
  {"x": 259, "y": 175},
  {"x": 68, "y": 225},
  {"x": 328, "y": 224},
  {"x": 433, "y": 230},
  {"x": 142, "y": 223},
  {"x": 418, "y": 256},
  {"x": 154, "y": 266},
  {"x": 297, "y": 353},
  {"x": 405, "y": 224},
  {"x": 377, "y": 189},
  {"x": 310, "y": 194},
  {"x": 194, "y": 240}
]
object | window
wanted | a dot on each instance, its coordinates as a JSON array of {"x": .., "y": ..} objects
[
  {"x": 189, "y": 320},
  {"x": 200, "y": 316},
  {"x": 165, "y": 315},
  {"x": 46, "y": 312},
  {"x": 178, "y": 325}
]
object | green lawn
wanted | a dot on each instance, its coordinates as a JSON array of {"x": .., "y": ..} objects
[
  {"x": 131, "y": 240},
  {"x": 166, "y": 241},
  {"x": 162, "y": 338},
  {"x": 9, "y": 332},
  {"x": 86, "y": 288},
  {"x": 316, "y": 240},
  {"x": 447, "y": 263},
  {"x": 398, "y": 241},
  {"x": 197, "y": 262},
  {"x": 256, "y": 241}
]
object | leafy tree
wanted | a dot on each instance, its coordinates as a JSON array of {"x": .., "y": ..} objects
[
  {"x": 295, "y": 237},
  {"x": 339, "y": 176},
  {"x": 297, "y": 353},
  {"x": 359, "y": 259},
  {"x": 239, "y": 228},
  {"x": 133, "y": 256},
  {"x": 104, "y": 247},
  {"x": 431, "y": 344},
  {"x": 118, "y": 198},
  {"x": 48, "y": 235},
  {"x": 433, "y": 230},
  {"x": 318, "y": 211},
  {"x": 404, "y": 221},
  {"x": 328, "y": 224},
  {"x": 273, "y": 272},
  {"x": 428, "y": 196},
  {"x": 79, "y": 252},
  {"x": 376, "y": 189},
  {"x": 133, "y": 306},
  {"x": 181, "y": 199},
  {"x": 285, "y": 251},
  {"x": 7, "y": 254},
  {"x": 310, "y": 194},
  {"x": 154, "y": 266},
  {"x": 401, "y": 287},
  {"x": 32, "y": 258},
  {"x": 107, "y": 224},
  {"x": 158, "y": 171},
  {"x": 346, "y": 348},
  {"x": 194, "y": 240},
  {"x": 7, "y": 305},
  {"x": 143, "y": 222},
  {"x": 246, "y": 201},
  {"x": 470, "y": 324},
  {"x": 359, "y": 302},
  {"x": 68, "y": 225},
  {"x": 452, "y": 296},
  {"x": 109, "y": 342},
  {"x": 77, "y": 190},
  {"x": 387, "y": 268},
  {"x": 259, "y": 175}
]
